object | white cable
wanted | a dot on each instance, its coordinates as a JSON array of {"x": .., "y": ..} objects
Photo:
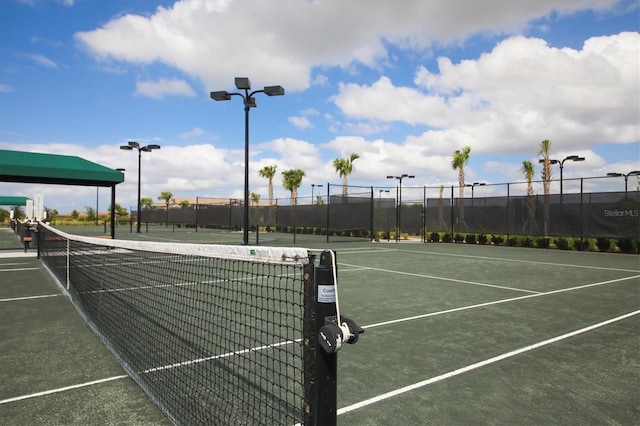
[{"x": 344, "y": 327}]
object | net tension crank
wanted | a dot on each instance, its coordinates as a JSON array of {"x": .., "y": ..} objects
[{"x": 333, "y": 334}]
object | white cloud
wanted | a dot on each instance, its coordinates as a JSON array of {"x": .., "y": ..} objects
[
  {"x": 195, "y": 132},
  {"x": 288, "y": 40},
  {"x": 163, "y": 87},
  {"x": 42, "y": 60},
  {"x": 521, "y": 92},
  {"x": 300, "y": 122}
]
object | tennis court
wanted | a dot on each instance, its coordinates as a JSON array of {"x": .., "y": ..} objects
[{"x": 455, "y": 334}]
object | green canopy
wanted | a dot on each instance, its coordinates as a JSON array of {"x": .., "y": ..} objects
[
  {"x": 32, "y": 167},
  {"x": 13, "y": 201}
]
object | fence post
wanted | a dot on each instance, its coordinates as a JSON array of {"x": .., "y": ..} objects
[
  {"x": 508, "y": 214},
  {"x": 371, "y": 210},
  {"x": 328, "y": 207},
  {"x": 452, "y": 213},
  {"x": 424, "y": 214}
]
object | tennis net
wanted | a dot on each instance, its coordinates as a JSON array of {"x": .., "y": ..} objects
[{"x": 213, "y": 334}]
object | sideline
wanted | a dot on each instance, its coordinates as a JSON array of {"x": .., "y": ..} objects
[{"x": 480, "y": 364}]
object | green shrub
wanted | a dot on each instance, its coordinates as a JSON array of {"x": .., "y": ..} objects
[
  {"x": 446, "y": 238},
  {"x": 526, "y": 242},
  {"x": 434, "y": 237},
  {"x": 497, "y": 239},
  {"x": 581, "y": 245},
  {"x": 626, "y": 245},
  {"x": 458, "y": 238},
  {"x": 603, "y": 244},
  {"x": 512, "y": 242},
  {"x": 543, "y": 242},
  {"x": 561, "y": 243},
  {"x": 470, "y": 239},
  {"x": 482, "y": 239}
]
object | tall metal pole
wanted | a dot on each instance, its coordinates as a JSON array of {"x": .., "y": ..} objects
[
  {"x": 245, "y": 235},
  {"x": 399, "y": 212},
  {"x": 139, "y": 212},
  {"x": 243, "y": 83}
]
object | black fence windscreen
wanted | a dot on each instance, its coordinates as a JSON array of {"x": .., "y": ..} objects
[{"x": 377, "y": 212}]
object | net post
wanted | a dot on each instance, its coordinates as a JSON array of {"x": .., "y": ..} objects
[
  {"x": 310, "y": 344},
  {"x": 326, "y": 363}
]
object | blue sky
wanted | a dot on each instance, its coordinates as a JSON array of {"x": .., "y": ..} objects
[{"x": 402, "y": 83}]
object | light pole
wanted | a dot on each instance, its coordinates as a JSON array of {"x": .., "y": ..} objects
[
  {"x": 243, "y": 83},
  {"x": 131, "y": 145},
  {"x": 313, "y": 185},
  {"x": 472, "y": 188},
  {"x": 561, "y": 163},
  {"x": 398, "y": 220},
  {"x": 626, "y": 178}
]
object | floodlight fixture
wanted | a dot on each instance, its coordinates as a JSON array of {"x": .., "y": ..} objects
[
  {"x": 243, "y": 83},
  {"x": 626, "y": 177},
  {"x": 274, "y": 90},
  {"x": 222, "y": 95},
  {"x": 541, "y": 161}
]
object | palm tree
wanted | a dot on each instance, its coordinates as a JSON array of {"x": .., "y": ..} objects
[
  {"x": 166, "y": 196},
  {"x": 292, "y": 179},
  {"x": 269, "y": 172},
  {"x": 460, "y": 158},
  {"x": 528, "y": 172},
  {"x": 544, "y": 149},
  {"x": 344, "y": 167},
  {"x": 146, "y": 202}
]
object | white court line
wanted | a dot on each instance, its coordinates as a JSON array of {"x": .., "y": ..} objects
[
  {"x": 480, "y": 364},
  {"x": 536, "y": 262},
  {"x": 51, "y": 391},
  {"x": 297, "y": 340},
  {"x": 15, "y": 299},
  {"x": 18, "y": 269},
  {"x": 442, "y": 278},
  {"x": 497, "y": 302}
]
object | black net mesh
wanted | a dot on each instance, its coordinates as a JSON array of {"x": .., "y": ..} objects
[{"x": 213, "y": 340}]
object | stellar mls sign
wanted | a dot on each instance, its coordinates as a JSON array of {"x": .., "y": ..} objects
[{"x": 622, "y": 213}]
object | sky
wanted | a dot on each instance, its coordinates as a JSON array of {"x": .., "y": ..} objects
[{"x": 403, "y": 84}]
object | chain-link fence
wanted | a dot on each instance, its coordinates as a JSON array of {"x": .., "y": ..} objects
[{"x": 510, "y": 209}]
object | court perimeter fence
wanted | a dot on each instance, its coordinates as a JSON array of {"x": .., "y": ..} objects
[{"x": 588, "y": 211}]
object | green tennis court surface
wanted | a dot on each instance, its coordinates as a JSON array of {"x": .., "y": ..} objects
[{"x": 455, "y": 334}]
